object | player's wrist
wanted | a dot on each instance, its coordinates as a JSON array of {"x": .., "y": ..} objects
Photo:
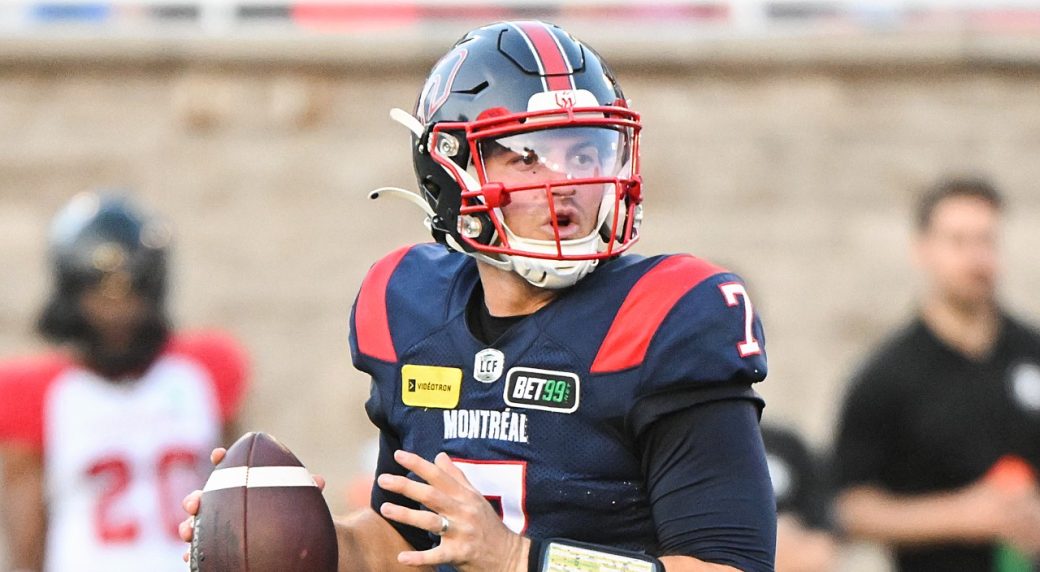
[
  {"x": 560, "y": 554},
  {"x": 518, "y": 561}
]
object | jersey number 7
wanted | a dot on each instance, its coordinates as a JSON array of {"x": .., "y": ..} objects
[
  {"x": 502, "y": 483},
  {"x": 731, "y": 291}
]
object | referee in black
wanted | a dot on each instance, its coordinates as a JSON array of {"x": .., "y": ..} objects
[{"x": 945, "y": 406}]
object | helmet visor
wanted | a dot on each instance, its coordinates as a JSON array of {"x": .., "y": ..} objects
[{"x": 560, "y": 154}]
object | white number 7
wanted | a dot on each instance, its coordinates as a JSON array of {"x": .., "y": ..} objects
[
  {"x": 501, "y": 481},
  {"x": 730, "y": 291}
]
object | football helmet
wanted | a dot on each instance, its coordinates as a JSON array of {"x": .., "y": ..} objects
[
  {"x": 101, "y": 240},
  {"x": 102, "y": 237},
  {"x": 531, "y": 91}
]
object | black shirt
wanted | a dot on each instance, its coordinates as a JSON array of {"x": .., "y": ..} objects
[
  {"x": 922, "y": 417},
  {"x": 482, "y": 324}
]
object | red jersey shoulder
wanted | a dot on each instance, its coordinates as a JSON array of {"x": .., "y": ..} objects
[
  {"x": 371, "y": 319},
  {"x": 24, "y": 383},
  {"x": 647, "y": 304},
  {"x": 223, "y": 358}
]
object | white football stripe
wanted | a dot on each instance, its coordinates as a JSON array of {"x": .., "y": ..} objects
[
  {"x": 279, "y": 477},
  {"x": 226, "y": 479},
  {"x": 256, "y": 477}
]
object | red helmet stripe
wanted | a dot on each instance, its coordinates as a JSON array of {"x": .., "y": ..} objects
[
  {"x": 646, "y": 306},
  {"x": 557, "y": 73},
  {"x": 370, "y": 317}
]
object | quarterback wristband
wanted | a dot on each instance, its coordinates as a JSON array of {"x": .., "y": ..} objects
[{"x": 562, "y": 555}]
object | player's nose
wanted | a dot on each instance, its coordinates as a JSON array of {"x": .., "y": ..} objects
[{"x": 564, "y": 190}]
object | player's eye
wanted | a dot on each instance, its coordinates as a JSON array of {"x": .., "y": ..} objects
[
  {"x": 524, "y": 160},
  {"x": 585, "y": 158}
]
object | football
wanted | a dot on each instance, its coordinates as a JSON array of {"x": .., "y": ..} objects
[{"x": 262, "y": 512}]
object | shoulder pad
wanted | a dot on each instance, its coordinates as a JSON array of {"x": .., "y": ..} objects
[
  {"x": 223, "y": 359},
  {"x": 402, "y": 297},
  {"x": 686, "y": 321},
  {"x": 23, "y": 389},
  {"x": 371, "y": 324},
  {"x": 648, "y": 303}
]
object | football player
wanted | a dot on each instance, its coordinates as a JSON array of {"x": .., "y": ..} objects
[
  {"x": 102, "y": 437},
  {"x": 544, "y": 402}
]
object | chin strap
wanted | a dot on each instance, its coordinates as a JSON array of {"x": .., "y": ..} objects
[{"x": 548, "y": 273}]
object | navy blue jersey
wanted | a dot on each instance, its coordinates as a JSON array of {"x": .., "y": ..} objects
[{"x": 542, "y": 421}]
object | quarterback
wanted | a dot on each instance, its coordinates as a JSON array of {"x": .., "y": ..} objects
[{"x": 545, "y": 402}]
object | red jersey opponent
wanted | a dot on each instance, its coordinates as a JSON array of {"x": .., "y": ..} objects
[{"x": 102, "y": 437}]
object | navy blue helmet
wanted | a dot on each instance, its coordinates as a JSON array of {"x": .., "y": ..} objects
[{"x": 525, "y": 86}]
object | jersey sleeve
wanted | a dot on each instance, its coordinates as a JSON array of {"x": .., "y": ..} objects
[
  {"x": 23, "y": 389},
  {"x": 708, "y": 485},
  {"x": 697, "y": 336},
  {"x": 225, "y": 361},
  {"x": 711, "y": 336},
  {"x": 370, "y": 336}
]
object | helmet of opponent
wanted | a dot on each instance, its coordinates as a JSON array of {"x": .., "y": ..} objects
[
  {"x": 518, "y": 86},
  {"x": 102, "y": 239}
]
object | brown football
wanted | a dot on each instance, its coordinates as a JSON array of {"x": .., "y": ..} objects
[{"x": 262, "y": 512}]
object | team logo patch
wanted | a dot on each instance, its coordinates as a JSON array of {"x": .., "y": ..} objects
[
  {"x": 488, "y": 365},
  {"x": 562, "y": 99},
  {"x": 431, "y": 386},
  {"x": 542, "y": 389}
]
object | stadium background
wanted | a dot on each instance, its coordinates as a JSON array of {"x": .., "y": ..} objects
[{"x": 786, "y": 140}]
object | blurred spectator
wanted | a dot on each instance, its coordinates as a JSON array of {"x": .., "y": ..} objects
[
  {"x": 940, "y": 434},
  {"x": 101, "y": 438},
  {"x": 804, "y": 539}
]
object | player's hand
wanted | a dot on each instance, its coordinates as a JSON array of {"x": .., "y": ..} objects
[
  {"x": 476, "y": 539},
  {"x": 186, "y": 528}
]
